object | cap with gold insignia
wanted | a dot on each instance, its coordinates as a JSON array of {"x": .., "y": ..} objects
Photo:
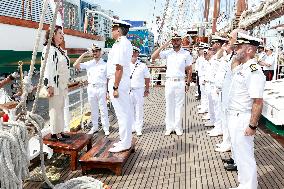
[
  {"x": 95, "y": 47},
  {"x": 247, "y": 39},
  {"x": 203, "y": 45},
  {"x": 216, "y": 39},
  {"x": 136, "y": 49},
  {"x": 269, "y": 47},
  {"x": 176, "y": 35},
  {"x": 120, "y": 23}
]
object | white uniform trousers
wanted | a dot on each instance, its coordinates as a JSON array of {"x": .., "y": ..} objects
[
  {"x": 97, "y": 100},
  {"x": 122, "y": 110},
  {"x": 137, "y": 103},
  {"x": 217, "y": 109},
  {"x": 208, "y": 89},
  {"x": 226, "y": 135},
  {"x": 175, "y": 95},
  {"x": 243, "y": 147},
  {"x": 204, "y": 97},
  {"x": 56, "y": 112}
]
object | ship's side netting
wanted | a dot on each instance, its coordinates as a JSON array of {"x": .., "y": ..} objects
[
  {"x": 12, "y": 8},
  {"x": 29, "y": 10}
]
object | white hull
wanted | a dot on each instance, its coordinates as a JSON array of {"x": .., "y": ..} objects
[{"x": 19, "y": 38}]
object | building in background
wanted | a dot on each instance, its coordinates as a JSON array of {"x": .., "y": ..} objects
[
  {"x": 94, "y": 23},
  {"x": 141, "y": 36}
]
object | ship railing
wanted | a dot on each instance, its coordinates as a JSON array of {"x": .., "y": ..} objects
[
  {"x": 158, "y": 74},
  {"x": 75, "y": 105}
]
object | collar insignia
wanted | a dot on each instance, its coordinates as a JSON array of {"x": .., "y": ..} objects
[{"x": 253, "y": 67}]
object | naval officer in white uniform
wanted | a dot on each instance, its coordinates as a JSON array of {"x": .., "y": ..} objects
[
  {"x": 97, "y": 87},
  {"x": 140, "y": 83},
  {"x": 118, "y": 73},
  {"x": 178, "y": 62},
  {"x": 244, "y": 108}
]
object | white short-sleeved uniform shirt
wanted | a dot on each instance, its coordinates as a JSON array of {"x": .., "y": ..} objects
[
  {"x": 227, "y": 81},
  {"x": 269, "y": 60},
  {"x": 247, "y": 83},
  {"x": 176, "y": 62},
  {"x": 120, "y": 53},
  {"x": 139, "y": 72},
  {"x": 225, "y": 65},
  {"x": 96, "y": 71},
  {"x": 201, "y": 67}
]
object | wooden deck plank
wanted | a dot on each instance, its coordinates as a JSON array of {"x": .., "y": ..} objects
[{"x": 188, "y": 161}]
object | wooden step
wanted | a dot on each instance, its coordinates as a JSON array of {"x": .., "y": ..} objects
[
  {"x": 71, "y": 146},
  {"x": 100, "y": 157}
]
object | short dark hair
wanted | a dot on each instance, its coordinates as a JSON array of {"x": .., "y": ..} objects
[
  {"x": 124, "y": 30},
  {"x": 47, "y": 35}
]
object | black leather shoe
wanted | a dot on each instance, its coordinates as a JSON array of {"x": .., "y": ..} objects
[
  {"x": 228, "y": 161},
  {"x": 53, "y": 137},
  {"x": 61, "y": 139},
  {"x": 64, "y": 135},
  {"x": 231, "y": 167}
]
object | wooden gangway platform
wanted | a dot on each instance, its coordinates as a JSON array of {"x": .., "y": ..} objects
[{"x": 186, "y": 162}]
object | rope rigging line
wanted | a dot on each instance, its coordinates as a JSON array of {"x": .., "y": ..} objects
[
  {"x": 34, "y": 54},
  {"x": 163, "y": 19}
]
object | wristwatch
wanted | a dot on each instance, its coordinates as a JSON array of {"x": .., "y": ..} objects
[
  {"x": 11, "y": 77},
  {"x": 115, "y": 88},
  {"x": 252, "y": 127}
]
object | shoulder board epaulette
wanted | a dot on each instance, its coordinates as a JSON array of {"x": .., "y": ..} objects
[{"x": 253, "y": 67}]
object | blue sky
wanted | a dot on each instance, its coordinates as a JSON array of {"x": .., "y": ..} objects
[{"x": 130, "y": 9}]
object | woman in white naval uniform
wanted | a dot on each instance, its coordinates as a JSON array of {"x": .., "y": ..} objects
[
  {"x": 56, "y": 79},
  {"x": 178, "y": 61},
  {"x": 97, "y": 87},
  {"x": 140, "y": 82},
  {"x": 244, "y": 109}
]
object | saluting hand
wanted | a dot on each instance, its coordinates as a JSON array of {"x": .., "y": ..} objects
[{"x": 166, "y": 44}]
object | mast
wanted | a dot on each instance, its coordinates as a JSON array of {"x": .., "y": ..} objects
[
  {"x": 216, "y": 13},
  {"x": 206, "y": 9},
  {"x": 23, "y": 8},
  {"x": 241, "y": 6}
]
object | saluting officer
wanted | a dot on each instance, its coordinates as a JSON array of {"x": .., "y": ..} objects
[
  {"x": 97, "y": 87},
  {"x": 201, "y": 64},
  {"x": 118, "y": 73},
  {"x": 244, "y": 108},
  {"x": 214, "y": 95},
  {"x": 178, "y": 61},
  {"x": 140, "y": 83}
]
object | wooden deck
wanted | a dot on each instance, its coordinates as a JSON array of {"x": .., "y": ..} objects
[{"x": 187, "y": 162}]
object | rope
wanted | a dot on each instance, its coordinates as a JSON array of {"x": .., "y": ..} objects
[
  {"x": 14, "y": 160},
  {"x": 81, "y": 183},
  {"x": 36, "y": 46}
]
